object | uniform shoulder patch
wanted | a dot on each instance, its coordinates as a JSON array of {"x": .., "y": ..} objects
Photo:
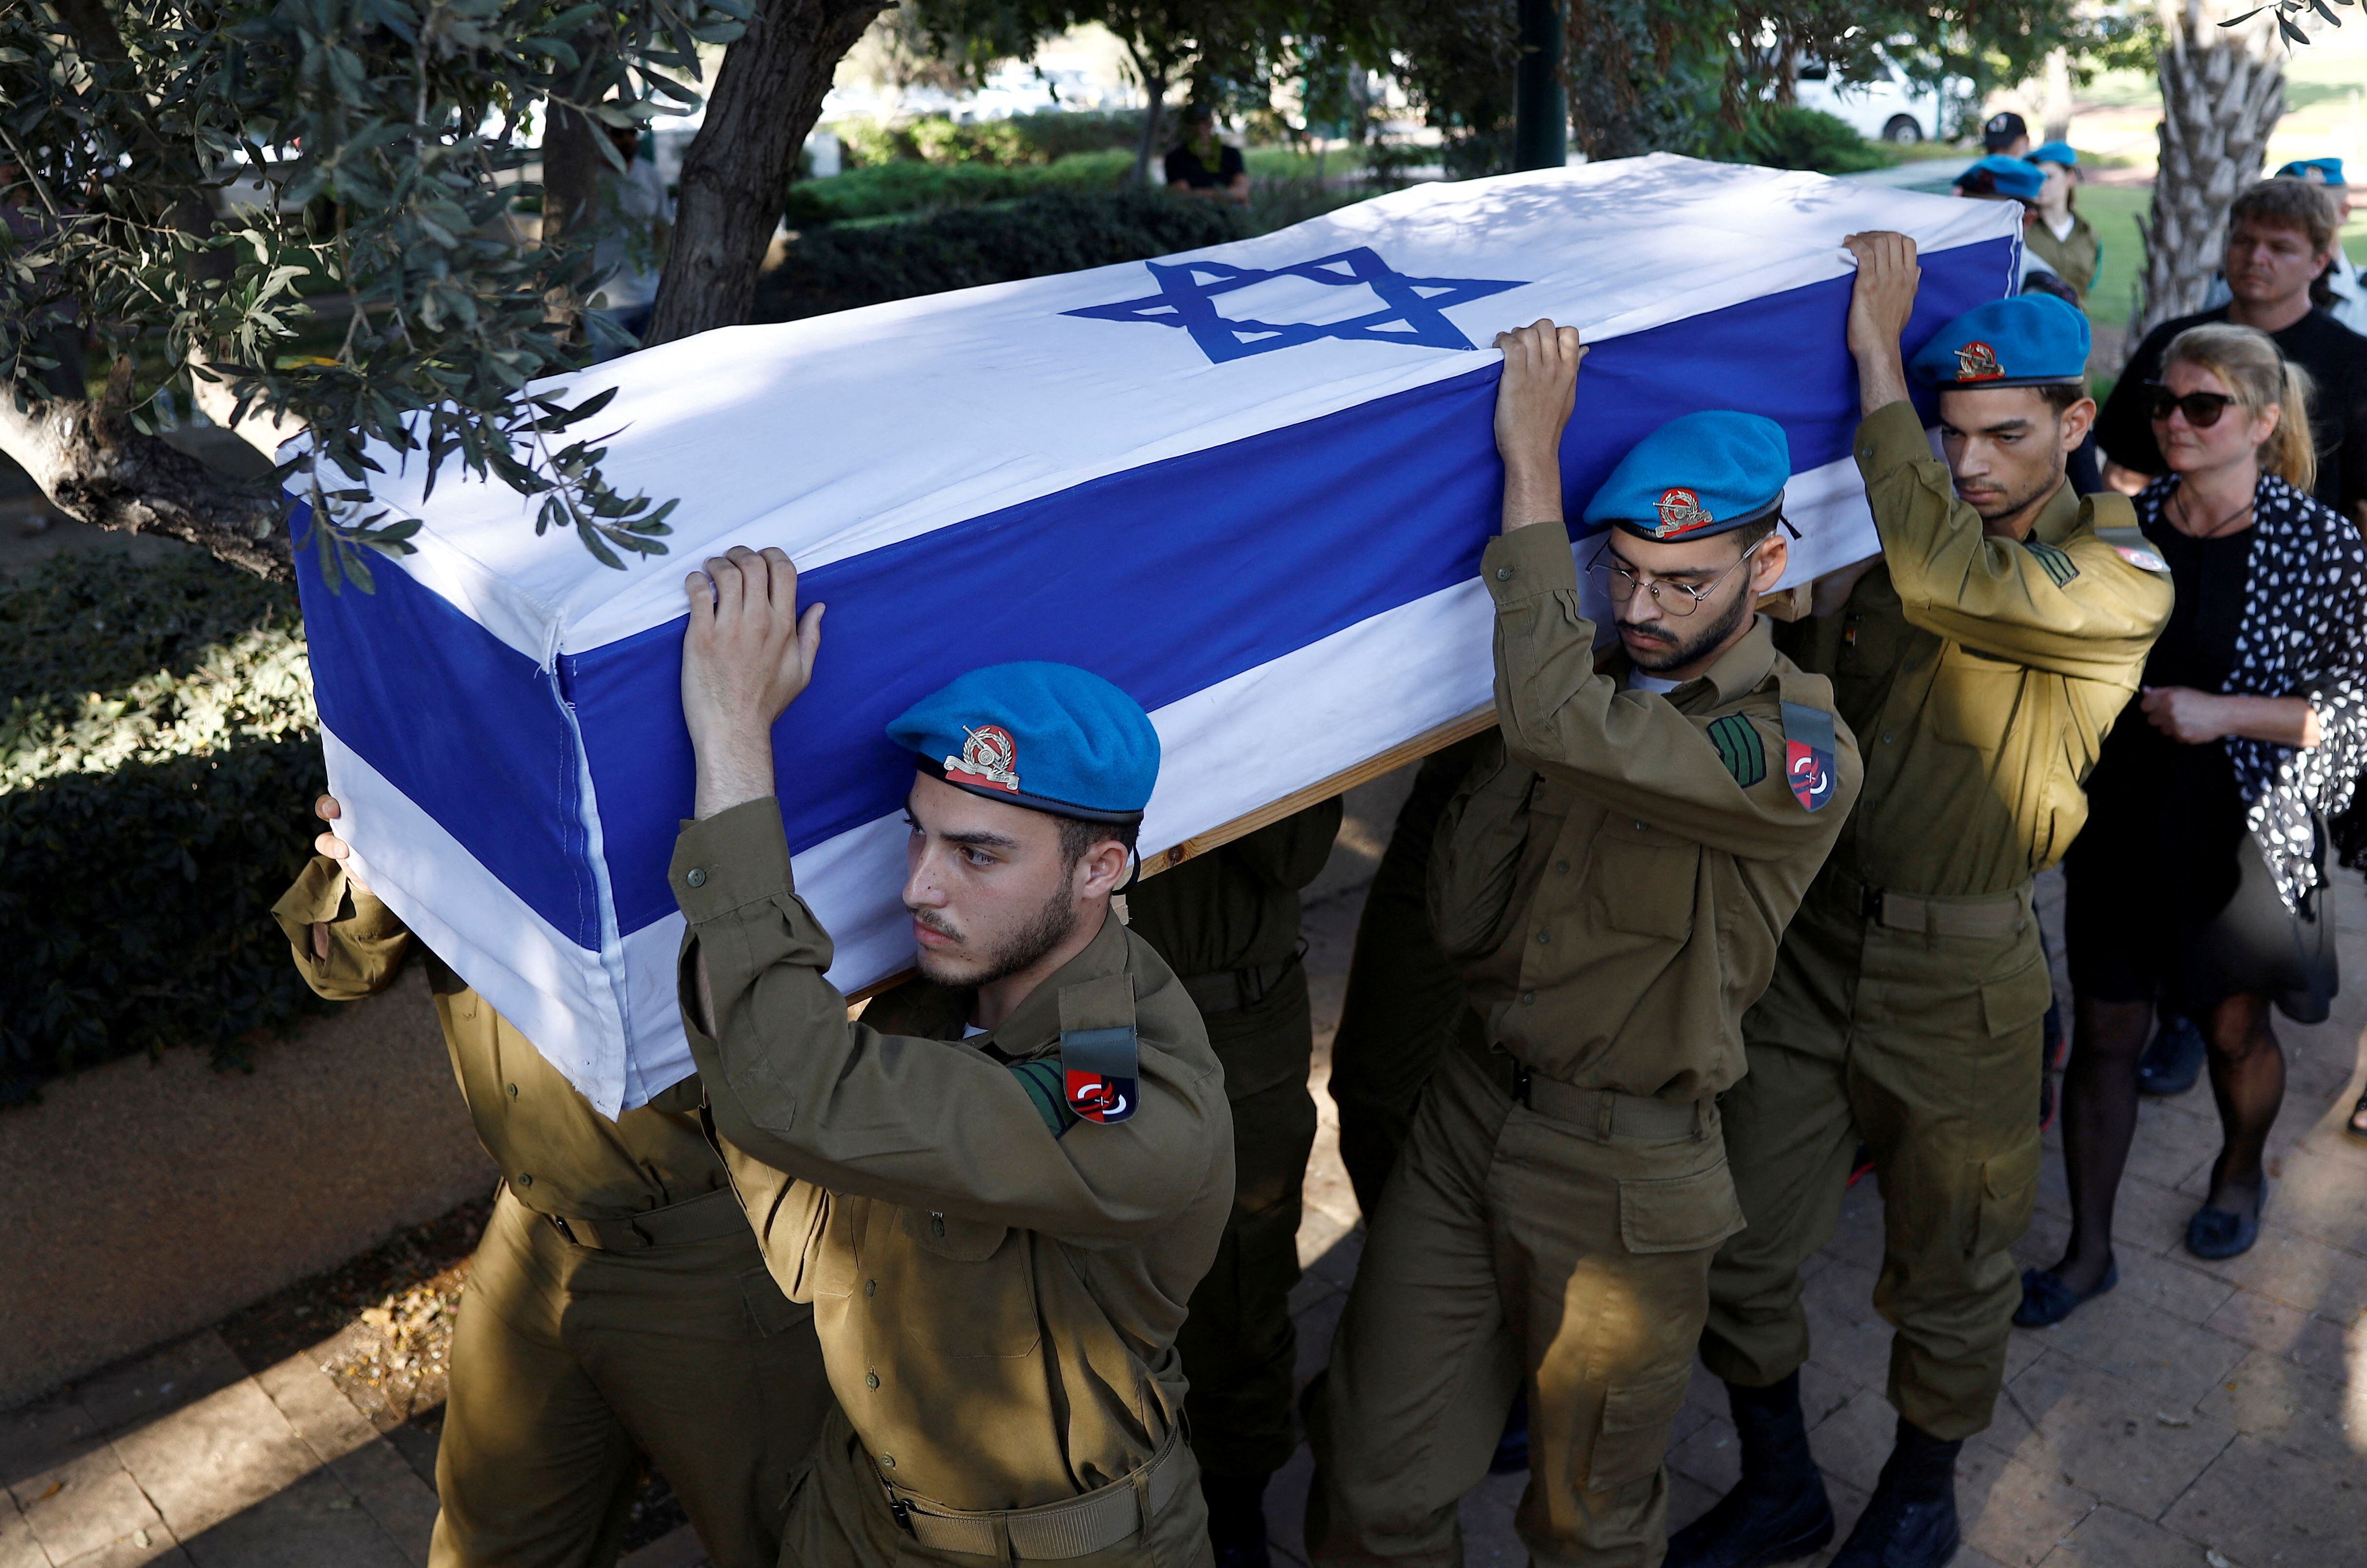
[
  {"x": 1739, "y": 748},
  {"x": 1043, "y": 1082},
  {"x": 2057, "y": 563}
]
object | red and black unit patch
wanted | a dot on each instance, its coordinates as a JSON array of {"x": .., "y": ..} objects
[
  {"x": 1099, "y": 1068},
  {"x": 1976, "y": 361},
  {"x": 1680, "y": 513},
  {"x": 990, "y": 757},
  {"x": 1811, "y": 754}
]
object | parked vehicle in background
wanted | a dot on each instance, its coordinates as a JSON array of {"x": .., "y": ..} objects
[{"x": 1892, "y": 107}]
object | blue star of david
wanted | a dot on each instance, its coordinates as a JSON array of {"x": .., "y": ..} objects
[{"x": 1415, "y": 314}]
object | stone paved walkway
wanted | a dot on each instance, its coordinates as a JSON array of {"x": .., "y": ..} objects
[{"x": 2202, "y": 1415}]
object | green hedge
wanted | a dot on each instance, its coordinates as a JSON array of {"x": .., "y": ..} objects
[
  {"x": 892, "y": 189},
  {"x": 839, "y": 268},
  {"x": 1023, "y": 138},
  {"x": 158, "y": 763},
  {"x": 1788, "y": 137}
]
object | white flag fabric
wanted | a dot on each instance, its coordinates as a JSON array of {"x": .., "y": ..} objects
[{"x": 1249, "y": 485}]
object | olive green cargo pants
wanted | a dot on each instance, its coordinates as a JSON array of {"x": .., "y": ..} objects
[
  {"x": 1517, "y": 1248},
  {"x": 1239, "y": 1346},
  {"x": 1925, "y": 1047},
  {"x": 567, "y": 1357},
  {"x": 1405, "y": 999}
]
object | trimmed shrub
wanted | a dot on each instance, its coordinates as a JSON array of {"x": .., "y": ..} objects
[
  {"x": 1788, "y": 137},
  {"x": 158, "y": 763},
  {"x": 1023, "y": 138},
  {"x": 888, "y": 190},
  {"x": 839, "y": 268}
]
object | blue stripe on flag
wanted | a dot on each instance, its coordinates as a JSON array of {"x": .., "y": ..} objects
[
  {"x": 1170, "y": 577},
  {"x": 466, "y": 727}
]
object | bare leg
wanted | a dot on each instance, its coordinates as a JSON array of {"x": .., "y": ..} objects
[
  {"x": 2100, "y": 1119},
  {"x": 2247, "y": 1079}
]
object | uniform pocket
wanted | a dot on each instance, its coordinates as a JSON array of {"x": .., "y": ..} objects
[
  {"x": 1973, "y": 697},
  {"x": 2018, "y": 1001},
  {"x": 973, "y": 1284},
  {"x": 1679, "y": 1213},
  {"x": 1636, "y": 1418},
  {"x": 2005, "y": 1188},
  {"x": 1644, "y": 879}
]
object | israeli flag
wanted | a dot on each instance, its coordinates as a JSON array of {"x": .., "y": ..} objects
[{"x": 1249, "y": 485}]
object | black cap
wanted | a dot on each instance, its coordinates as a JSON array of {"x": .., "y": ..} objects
[{"x": 2003, "y": 129}]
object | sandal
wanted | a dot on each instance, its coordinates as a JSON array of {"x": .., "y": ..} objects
[
  {"x": 2356, "y": 1126},
  {"x": 2048, "y": 1301}
]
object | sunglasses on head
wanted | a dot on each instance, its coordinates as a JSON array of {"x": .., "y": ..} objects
[{"x": 2202, "y": 408}]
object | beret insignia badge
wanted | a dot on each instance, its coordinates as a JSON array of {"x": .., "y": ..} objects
[
  {"x": 1976, "y": 361},
  {"x": 1680, "y": 513},
  {"x": 990, "y": 757}
]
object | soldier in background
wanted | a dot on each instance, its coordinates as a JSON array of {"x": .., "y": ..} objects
[
  {"x": 617, "y": 1301},
  {"x": 1228, "y": 923}
]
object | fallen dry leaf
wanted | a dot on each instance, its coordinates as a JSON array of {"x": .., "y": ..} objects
[{"x": 2167, "y": 1419}]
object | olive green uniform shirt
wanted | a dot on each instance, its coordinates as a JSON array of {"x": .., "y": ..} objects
[
  {"x": 2074, "y": 257},
  {"x": 1664, "y": 852},
  {"x": 997, "y": 1292},
  {"x": 558, "y": 1155},
  {"x": 1237, "y": 906},
  {"x": 1979, "y": 674}
]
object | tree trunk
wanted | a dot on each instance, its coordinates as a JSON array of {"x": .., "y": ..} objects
[
  {"x": 2054, "y": 117},
  {"x": 736, "y": 175},
  {"x": 1155, "y": 88},
  {"x": 95, "y": 467},
  {"x": 2221, "y": 92},
  {"x": 570, "y": 172}
]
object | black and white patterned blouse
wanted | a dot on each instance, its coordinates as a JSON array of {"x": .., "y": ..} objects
[{"x": 2303, "y": 634}]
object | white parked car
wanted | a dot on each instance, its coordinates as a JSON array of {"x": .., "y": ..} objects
[{"x": 1890, "y": 108}]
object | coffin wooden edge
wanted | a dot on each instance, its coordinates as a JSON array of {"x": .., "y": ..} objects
[{"x": 1341, "y": 782}]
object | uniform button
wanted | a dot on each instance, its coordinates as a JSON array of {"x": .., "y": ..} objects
[
  {"x": 525, "y": 1180},
  {"x": 513, "y": 1091},
  {"x": 1545, "y": 936},
  {"x": 1639, "y": 827},
  {"x": 871, "y": 1380},
  {"x": 886, "y": 1462},
  {"x": 937, "y": 1226},
  {"x": 1528, "y": 999},
  {"x": 870, "y": 1287},
  {"x": 696, "y": 877},
  {"x": 1886, "y": 739},
  {"x": 1562, "y": 866},
  {"x": 1503, "y": 574}
]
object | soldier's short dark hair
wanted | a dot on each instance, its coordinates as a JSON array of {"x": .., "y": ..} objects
[
  {"x": 2061, "y": 397},
  {"x": 2289, "y": 203},
  {"x": 1078, "y": 836},
  {"x": 1750, "y": 533}
]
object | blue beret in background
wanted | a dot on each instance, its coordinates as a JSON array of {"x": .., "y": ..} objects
[
  {"x": 2001, "y": 176},
  {"x": 1049, "y": 737},
  {"x": 2328, "y": 170},
  {"x": 2031, "y": 340},
  {"x": 2054, "y": 152},
  {"x": 1695, "y": 476}
]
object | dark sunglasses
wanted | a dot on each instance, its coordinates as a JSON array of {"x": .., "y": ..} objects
[{"x": 2202, "y": 408}]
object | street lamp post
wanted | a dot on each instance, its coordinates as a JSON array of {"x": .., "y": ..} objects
[{"x": 1541, "y": 113}]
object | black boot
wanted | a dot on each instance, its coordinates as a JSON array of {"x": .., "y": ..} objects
[
  {"x": 1778, "y": 1510},
  {"x": 1237, "y": 1519},
  {"x": 1910, "y": 1520}
]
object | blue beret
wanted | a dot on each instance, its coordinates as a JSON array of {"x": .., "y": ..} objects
[
  {"x": 1699, "y": 475},
  {"x": 2328, "y": 170},
  {"x": 1049, "y": 737},
  {"x": 2031, "y": 340},
  {"x": 2056, "y": 152},
  {"x": 1999, "y": 175}
]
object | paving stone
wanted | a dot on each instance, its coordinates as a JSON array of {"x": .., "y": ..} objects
[
  {"x": 2317, "y": 1196},
  {"x": 320, "y": 1415},
  {"x": 2104, "y": 1435},
  {"x": 160, "y": 1552},
  {"x": 1855, "y": 1437},
  {"x": 1688, "y": 1500},
  {"x": 2261, "y": 1503},
  {"x": 139, "y": 1389},
  {"x": 2303, "y": 1338},
  {"x": 2174, "y": 1141},
  {"x": 1489, "y": 1538},
  {"x": 1337, "y": 1267},
  {"x": 85, "y": 1505},
  {"x": 17, "y": 1547},
  {"x": 2013, "y": 1511},
  {"x": 1848, "y": 1502},
  {"x": 229, "y": 1452},
  {"x": 2150, "y": 1219},
  {"x": 1315, "y": 1321},
  {"x": 388, "y": 1489},
  {"x": 1844, "y": 1331},
  {"x": 43, "y": 1436},
  {"x": 2119, "y": 1333},
  {"x": 2267, "y": 1396},
  {"x": 1709, "y": 1455},
  {"x": 2297, "y": 1272},
  {"x": 308, "y": 1524},
  {"x": 2114, "y": 1538}
]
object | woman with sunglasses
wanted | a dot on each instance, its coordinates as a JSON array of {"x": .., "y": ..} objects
[{"x": 2200, "y": 878}]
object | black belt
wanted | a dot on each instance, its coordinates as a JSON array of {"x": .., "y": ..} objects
[
  {"x": 707, "y": 1217},
  {"x": 1229, "y": 990}
]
